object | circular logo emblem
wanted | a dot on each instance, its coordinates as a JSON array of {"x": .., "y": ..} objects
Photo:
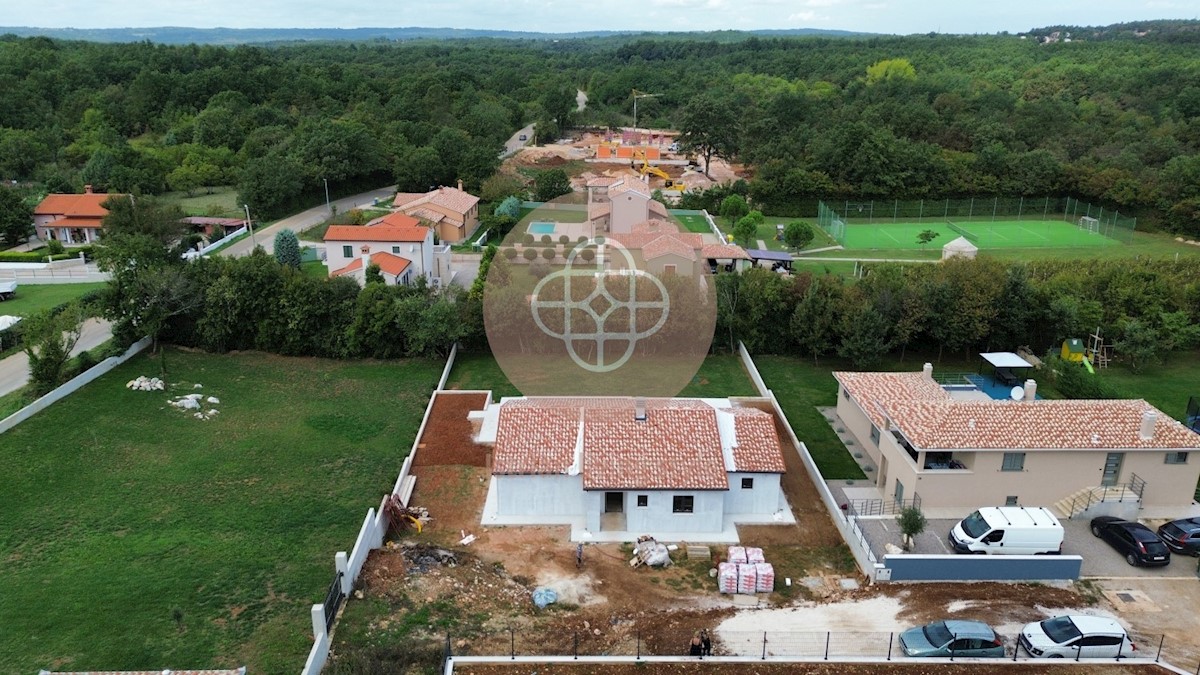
[{"x": 603, "y": 294}]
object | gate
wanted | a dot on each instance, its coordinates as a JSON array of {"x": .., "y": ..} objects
[{"x": 333, "y": 601}]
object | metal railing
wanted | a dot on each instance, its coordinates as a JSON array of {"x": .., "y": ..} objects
[
  {"x": 333, "y": 600},
  {"x": 1107, "y": 493},
  {"x": 882, "y": 507}
]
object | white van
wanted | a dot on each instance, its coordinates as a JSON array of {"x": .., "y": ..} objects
[{"x": 1011, "y": 530}]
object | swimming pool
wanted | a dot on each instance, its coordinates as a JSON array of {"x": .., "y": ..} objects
[{"x": 541, "y": 228}]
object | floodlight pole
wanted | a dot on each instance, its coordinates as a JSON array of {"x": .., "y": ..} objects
[{"x": 250, "y": 224}]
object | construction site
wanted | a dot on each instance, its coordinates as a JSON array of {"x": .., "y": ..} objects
[{"x": 650, "y": 155}]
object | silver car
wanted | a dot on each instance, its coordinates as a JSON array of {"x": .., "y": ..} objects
[{"x": 952, "y": 638}]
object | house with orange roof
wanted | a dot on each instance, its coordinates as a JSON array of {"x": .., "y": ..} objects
[
  {"x": 74, "y": 220},
  {"x": 616, "y": 467},
  {"x": 957, "y": 448},
  {"x": 452, "y": 212},
  {"x": 618, "y": 206},
  {"x": 400, "y": 245}
]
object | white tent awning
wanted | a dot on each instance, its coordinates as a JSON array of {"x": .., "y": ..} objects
[{"x": 1005, "y": 360}]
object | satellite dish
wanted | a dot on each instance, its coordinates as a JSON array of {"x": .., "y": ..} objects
[{"x": 1017, "y": 393}]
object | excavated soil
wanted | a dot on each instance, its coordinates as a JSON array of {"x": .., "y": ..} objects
[{"x": 447, "y": 436}]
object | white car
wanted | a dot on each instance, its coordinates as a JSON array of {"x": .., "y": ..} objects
[{"x": 1086, "y": 637}]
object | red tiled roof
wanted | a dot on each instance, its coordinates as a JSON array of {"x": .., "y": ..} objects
[
  {"x": 403, "y": 198},
  {"x": 414, "y": 234},
  {"x": 724, "y": 252},
  {"x": 874, "y": 389},
  {"x": 677, "y": 446},
  {"x": 85, "y": 223},
  {"x": 85, "y": 205},
  {"x": 429, "y": 214},
  {"x": 389, "y": 263},
  {"x": 757, "y": 448},
  {"x": 673, "y": 449},
  {"x": 648, "y": 241},
  {"x": 668, "y": 244},
  {"x": 459, "y": 201},
  {"x": 601, "y": 181},
  {"x": 1033, "y": 425},
  {"x": 395, "y": 219},
  {"x": 354, "y": 265},
  {"x": 597, "y": 209},
  {"x": 630, "y": 185},
  {"x": 658, "y": 209}
]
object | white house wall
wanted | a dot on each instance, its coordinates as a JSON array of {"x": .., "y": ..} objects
[
  {"x": 708, "y": 512},
  {"x": 539, "y": 495},
  {"x": 856, "y": 422},
  {"x": 763, "y": 498},
  {"x": 419, "y": 255}
]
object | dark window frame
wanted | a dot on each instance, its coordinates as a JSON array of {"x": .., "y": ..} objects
[{"x": 683, "y": 504}]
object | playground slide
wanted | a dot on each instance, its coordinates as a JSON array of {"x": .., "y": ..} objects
[{"x": 1088, "y": 364}]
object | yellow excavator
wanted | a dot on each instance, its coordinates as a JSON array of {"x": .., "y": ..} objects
[{"x": 649, "y": 169}]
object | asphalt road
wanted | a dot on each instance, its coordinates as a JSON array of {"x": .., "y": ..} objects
[
  {"x": 515, "y": 143},
  {"x": 266, "y": 237},
  {"x": 14, "y": 370}
]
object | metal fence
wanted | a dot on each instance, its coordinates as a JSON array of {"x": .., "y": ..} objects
[
  {"x": 835, "y": 217},
  {"x": 333, "y": 600},
  {"x": 800, "y": 645},
  {"x": 882, "y": 507}
]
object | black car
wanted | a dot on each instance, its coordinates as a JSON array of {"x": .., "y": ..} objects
[
  {"x": 1181, "y": 536},
  {"x": 1135, "y": 541}
]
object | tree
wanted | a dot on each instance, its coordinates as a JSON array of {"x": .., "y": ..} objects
[
  {"x": 745, "y": 231},
  {"x": 814, "y": 321},
  {"x": 709, "y": 126},
  {"x": 160, "y": 294},
  {"x": 270, "y": 184},
  {"x": 16, "y": 218},
  {"x": 49, "y": 338},
  {"x": 927, "y": 236},
  {"x": 511, "y": 207},
  {"x": 734, "y": 207},
  {"x": 797, "y": 235},
  {"x": 1140, "y": 343},
  {"x": 551, "y": 183},
  {"x": 891, "y": 70},
  {"x": 287, "y": 249},
  {"x": 864, "y": 337},
  {"x": 912, "y": 523}
]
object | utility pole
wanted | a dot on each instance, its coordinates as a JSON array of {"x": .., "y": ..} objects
[
  {"x": 250, "y": 224},
  {"x": 327, "y": 206},
  {"x": 636, "y": 96}
]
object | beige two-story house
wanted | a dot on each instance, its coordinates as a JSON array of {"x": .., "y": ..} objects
[
  {"x": 959, "y": 449},
  {"x": 451, "y": 212}
]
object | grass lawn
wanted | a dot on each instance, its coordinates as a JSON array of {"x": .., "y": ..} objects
[
  {"x": 314, "y": 268},
  {"x": 137, "y": 537},
  {"x": 218, "y": 201},
  {"x": 31, "y": 298},
  {"x": 719, "y": 376},
  {"x": 317, "y": 232},
  {"x": 693, "y": 223},
  {"x": 1166, "y": 386}
]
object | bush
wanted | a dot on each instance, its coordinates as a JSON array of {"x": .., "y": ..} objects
[
  {"x": 22, "y": 257},
  {"x": 546, "y": 239},
  {"x": 564, "y": 240},
  {"x": 588, "y": 254},
  {"x": 510, "y": 253},
  {"x": 55, "y": 247},
  {"x": 549, "y": 254},
  {"x": 527, "y": 239},
  {"x": 529, "y": 254},
  {"x": 1074, "y": 381}
]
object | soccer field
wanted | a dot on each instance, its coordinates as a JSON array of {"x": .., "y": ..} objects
[{"x": 986, "y": 235}]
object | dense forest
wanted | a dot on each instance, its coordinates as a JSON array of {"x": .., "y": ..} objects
[{"x": 1113, "y": 121}]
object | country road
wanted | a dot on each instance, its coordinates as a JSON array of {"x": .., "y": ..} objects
[
  {"x": 305, "y": 219},
  {"x": 14, "y": 370}
]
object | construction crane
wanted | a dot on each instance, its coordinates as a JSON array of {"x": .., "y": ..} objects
[{"x": 637, "y": 95}]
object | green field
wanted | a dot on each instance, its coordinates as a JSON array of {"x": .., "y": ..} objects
[
  {"x": 693, "y": 223},
  {"x": 220, "y": 202},
  {"x": 985, "y": 235},
  {"x": 31, "y": 299},
  {"x": 137, "y": 537},
  {"x": 719, "y": 376}
]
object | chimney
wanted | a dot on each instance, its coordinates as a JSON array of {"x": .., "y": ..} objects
[
  {"x": 87, "y": 189},
  {"x": 639, "y": 410},
  {"x": 366, "y": 257},
  {"x": 1147, "y": 430},
  {"x": 460, "y": 184},
  {"x": 928, "y": 370},
  {"x": 1030, "y": 390}
]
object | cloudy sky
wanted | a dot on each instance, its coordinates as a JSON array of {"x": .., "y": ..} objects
[{"x": 881, "y": 16}]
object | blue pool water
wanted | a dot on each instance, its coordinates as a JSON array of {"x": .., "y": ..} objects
[{"x": 541, "y": 228}]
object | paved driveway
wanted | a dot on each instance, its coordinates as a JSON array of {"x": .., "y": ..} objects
[{"x": 1104, "y": 562}]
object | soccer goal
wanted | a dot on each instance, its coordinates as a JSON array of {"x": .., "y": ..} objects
[{"x": 1090, "y": 224}]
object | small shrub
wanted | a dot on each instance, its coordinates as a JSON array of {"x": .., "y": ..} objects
[
  {"x": 546, "y": 239},
  {"x": 55, "y": 247},
  {"x": 581, "y": 240},
  {"x": 549, "y": 254},
  {"x": 527, "y": 239},
  {"x": 529, "y": 254},
  {"x": 510, "y": 253},
  {"x": 588, "y": 254},
  {"x": 564, "y": 240}
]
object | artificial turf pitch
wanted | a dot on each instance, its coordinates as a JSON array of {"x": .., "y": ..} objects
[{"x": 993, "y": 234}]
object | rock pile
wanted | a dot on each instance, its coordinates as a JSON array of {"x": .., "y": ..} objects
[
  {"x": 143, "y": 383},
  {"x": 193, "y": 402}
]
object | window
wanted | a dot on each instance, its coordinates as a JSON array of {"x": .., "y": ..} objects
[
  {"x": 396, "y": 250},
  {"x": 875, "y": 434},
  {"x": 845, "y": 393},
  {"x": 681, "y": 504},
  {"x": 347, "y": 251},
  {"x": 1176, "y": 458},
  {"x": 747, "y": 483},
  {"x": 1010, "y": 500},
  {"x": 1013, "y": 461},
  {"x": 643, "y": 501}
]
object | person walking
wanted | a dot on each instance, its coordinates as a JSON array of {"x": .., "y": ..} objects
[
  {"x": 705, "y": 643},
  {"x": 696, "y": 648},
  {"x": 579, "y": 556}
]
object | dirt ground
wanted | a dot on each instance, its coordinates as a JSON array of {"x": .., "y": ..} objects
[
  {"x": 804, "y": 669},
  {"x": 583, "y": 147},
  {"x": 1165, "y": 607}
]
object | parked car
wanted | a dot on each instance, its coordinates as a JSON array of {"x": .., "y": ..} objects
[
  {"x": 1181, "y": 536},
  {"x": 1135, "y": 541},
  {"x": 1070, "y": 636},
  {"x": 523, "y": 137},
  {"x": 952, "y": 638}
]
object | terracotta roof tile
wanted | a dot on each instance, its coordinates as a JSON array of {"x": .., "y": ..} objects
[
  {"x": 668, "y": 245},
  {"x": 535, "y": 439},
  {"x": 416, "y": 234},
  {"x": 390, "y": 263},
  {"x": 85, "y": 205},
  {"x": 629, "y": 185},
  {"x": 673, "y": 449},
  {"x": 429, "y": 214},
  {"x": 395, "y": 219},
  {"x": 757, "y": 448},
  {"x": 403, "y": 198},
  {"x": 454, "y": 199},
  {"x": 85, "y": 223},
  {"x": 724, "y": 252},
  {"x": 873, "y": 389}
]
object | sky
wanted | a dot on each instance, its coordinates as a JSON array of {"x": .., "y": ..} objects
[{"x": 561, "y": 16}]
